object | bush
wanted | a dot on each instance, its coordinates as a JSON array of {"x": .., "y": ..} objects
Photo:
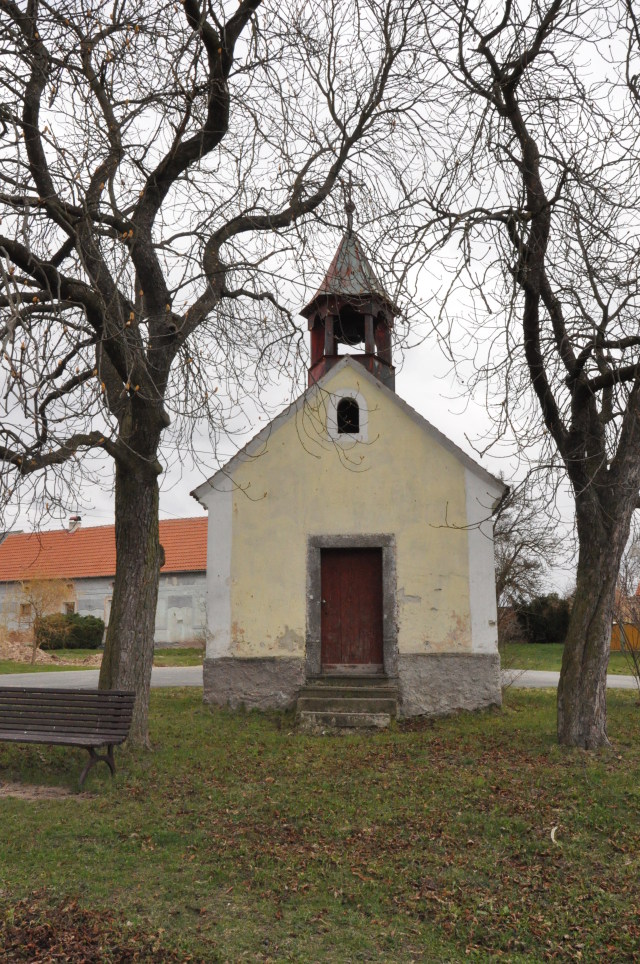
[
  {"x": 69, "y": 631},
  {"x": 545, "y": 619}
]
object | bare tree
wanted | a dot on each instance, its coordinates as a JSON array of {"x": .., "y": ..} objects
[
  {"x": 527, "y": 542},
  {"x": 41, "y": 596},
  {"x": 538, "y": 111},
  {"x": 160, "y": 163}
]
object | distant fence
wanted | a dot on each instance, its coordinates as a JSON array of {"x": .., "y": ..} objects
[{"x": 628, "y": 638}]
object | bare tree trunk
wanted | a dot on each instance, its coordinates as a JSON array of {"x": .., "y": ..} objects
[
  {"x": 128, "y": 655},
  {"x": 582, "y": 709}
]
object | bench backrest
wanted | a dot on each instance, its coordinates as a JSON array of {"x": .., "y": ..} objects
[{"x": 103, "y": 714}]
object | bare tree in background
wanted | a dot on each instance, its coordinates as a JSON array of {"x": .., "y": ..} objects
[
  {"x": 539, "y": 112},
  {"x": 159, "y": 165},
  {"x": 42, "y": 597},
  {"x": 527, "y": 542}
]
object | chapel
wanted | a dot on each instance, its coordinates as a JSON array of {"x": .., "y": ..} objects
[{"x": 350, "y": 566}]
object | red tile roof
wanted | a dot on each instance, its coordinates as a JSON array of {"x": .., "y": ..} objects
[{"x": 91, "y": 552}]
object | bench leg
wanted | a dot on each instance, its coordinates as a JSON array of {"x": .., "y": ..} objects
[{"x": 95, "y": 758}]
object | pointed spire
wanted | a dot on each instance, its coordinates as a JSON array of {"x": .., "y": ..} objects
[{"x": 350, "y": 274}]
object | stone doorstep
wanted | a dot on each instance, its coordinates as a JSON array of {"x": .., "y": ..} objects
[
  {"x": 347, "y": 703},
  {"x": 351, "y": 680},
  {"x": 314, "y": 721},
  {"x": 350, "y": 692}
]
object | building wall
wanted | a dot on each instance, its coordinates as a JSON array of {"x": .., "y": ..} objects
[
  {"x": 180, "y": 616},
  {"x": 397, "y": 481}
]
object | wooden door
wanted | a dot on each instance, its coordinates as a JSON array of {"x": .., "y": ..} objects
[{"x": 351, "y": 621}]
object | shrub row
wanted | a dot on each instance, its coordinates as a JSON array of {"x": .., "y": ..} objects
[
  {"x": 69, "y": 631},
  {"x": 542, "y": 619}
]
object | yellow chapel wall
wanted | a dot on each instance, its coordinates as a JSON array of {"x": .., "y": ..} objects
[{"x": 400, "y": 482}]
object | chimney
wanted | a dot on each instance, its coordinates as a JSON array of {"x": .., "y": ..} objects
[{"x": 75, "y": 521}]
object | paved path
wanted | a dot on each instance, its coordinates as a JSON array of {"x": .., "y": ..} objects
[
  {"x": 87, "y": 679},
  {"x": 541, "y": 679},
  {"x": 192, "y": 676}
]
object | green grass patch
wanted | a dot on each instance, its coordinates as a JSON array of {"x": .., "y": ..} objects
[
  {"x": 161, "y": 657},
  {"x": 190, "y": 656},
  {"x": 240, "y": 838},
  {"x": 549, "y": 656},
  {"x": 11, "y": 666}
]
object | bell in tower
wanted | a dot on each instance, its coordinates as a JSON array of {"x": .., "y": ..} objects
[{"x": 351, "y": 308}]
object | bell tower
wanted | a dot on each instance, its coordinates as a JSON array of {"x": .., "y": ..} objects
[{"x": 351, "y": 308}]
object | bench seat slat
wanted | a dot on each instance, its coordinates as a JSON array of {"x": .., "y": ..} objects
[
  {"x": 85, "y": 712},
  {"x": 98, "y": 733},
  {"x": 95, "y": 720},
  {"x": 59, "y": 705},
  {"x": 62, "y": 739},
  {"x": 78, "y": 710},
  {"x": 42, "y": 726},
  {"x": 35, "y": 691},
  {"x": 53, "y": 696},
  {"x": 63, "y": 707}
]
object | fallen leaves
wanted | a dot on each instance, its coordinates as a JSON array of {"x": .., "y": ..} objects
[{"x": 37, "y": 930}]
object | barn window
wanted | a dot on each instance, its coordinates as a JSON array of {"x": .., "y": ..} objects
[
  {"x": 348, "y": 417},
  {"x": 25, "y": 609}
]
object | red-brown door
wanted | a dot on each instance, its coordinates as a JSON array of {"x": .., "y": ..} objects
[{"x": 351, "y": 623}]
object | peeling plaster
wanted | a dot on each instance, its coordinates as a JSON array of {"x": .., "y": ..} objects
[
  {"x": 237, "y": 637},
  {"x": 291, "y": 641}
]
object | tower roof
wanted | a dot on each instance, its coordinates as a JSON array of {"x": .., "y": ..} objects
[{"x": 350, "y": 275}]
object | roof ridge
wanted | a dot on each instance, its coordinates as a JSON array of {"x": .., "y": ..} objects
[{"x": 83, "y": 528}]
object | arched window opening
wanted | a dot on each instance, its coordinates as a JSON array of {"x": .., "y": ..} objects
[{"x": 348, "y": 417}]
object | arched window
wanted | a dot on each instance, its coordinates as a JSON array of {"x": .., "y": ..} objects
[{"x": 348, "y": 417}]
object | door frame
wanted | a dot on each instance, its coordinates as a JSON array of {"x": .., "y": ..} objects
[{"x": 315, "y": 545}]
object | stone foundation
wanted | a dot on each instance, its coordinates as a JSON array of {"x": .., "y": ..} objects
[
  {"x": 257, "y": 684},
  {"x": 433, "y": 685},
  {"x": 428, "y": 685}
]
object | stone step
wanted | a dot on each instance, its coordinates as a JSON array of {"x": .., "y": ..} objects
[
  {"x": 315, "y": 720},
  {"x": 350, "y": 692},
  {"x": 343, "y": 701},
  {"x": 329, "y": 703},
  {"x": 348, "y": 679}
]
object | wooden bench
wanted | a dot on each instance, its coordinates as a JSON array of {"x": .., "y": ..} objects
[{"x": 87, "y": 718}]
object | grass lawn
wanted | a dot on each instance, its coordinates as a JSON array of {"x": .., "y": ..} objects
[
  {"x": 178, "y": 657},
  {"x": 161, "y": 657},
  {"x": 238, "y": 838},
  {"x": 549, "y": 656}
]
